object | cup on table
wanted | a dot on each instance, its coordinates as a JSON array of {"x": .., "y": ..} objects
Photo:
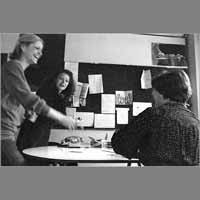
[{"x": 105, "y": 144}]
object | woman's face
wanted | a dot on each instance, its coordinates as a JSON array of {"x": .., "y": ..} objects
[
  {"x": 32, "y": 52},
  {"x": 62, "y": 81}
]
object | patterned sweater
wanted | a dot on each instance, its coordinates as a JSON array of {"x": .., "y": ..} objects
[{"x": 167, "y": 135}]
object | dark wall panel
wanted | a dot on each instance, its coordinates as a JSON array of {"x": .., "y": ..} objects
[{"x": 51, "y": 60}]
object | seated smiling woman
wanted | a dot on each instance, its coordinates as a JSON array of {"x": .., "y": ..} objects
[{"x": 167, "y": 133}]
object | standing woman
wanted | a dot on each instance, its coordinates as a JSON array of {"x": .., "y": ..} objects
[
  {"x": 16, "y": 96},
  {"x": 57, "y": 92}
]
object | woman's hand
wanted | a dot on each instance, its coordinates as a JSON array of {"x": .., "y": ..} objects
[
  {"x": 62, "y": 119},
  {"x": 31, "y": 115},
  {"x": 68, "y": 122}
]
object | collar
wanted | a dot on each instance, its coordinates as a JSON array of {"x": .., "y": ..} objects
[{"x": 174, "y": 103}]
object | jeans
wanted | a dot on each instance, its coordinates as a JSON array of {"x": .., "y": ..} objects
[{"x": 10, "y": 156}]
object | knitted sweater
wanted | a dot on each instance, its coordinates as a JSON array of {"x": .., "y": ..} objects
[
  {"x": 167, "y": 135},
  {"x": 16, "y": 96}
]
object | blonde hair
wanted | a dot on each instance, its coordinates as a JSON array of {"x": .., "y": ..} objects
[{"x": 24, "y": 39}]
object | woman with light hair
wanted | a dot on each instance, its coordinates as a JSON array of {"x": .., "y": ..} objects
[{"x": 16, "y": 96}]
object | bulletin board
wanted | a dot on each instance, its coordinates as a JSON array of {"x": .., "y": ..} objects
[{"x": 115, "y": 77}]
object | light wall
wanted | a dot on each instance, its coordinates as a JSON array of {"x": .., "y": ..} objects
[
  {"x": 124, "y": 49},
  {"x": 193, "y": 42},
  {"x": 8, "y": 41}
]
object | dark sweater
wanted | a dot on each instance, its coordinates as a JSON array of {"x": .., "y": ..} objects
[
  {"x": 34, "y": 134},
  {"x": 167, "y": 135}
]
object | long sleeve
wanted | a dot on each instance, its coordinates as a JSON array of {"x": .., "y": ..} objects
[
  {"x": 16, "y": 85},
  {"x": 126, "y": 141},
  {"x": 50, "y": 94}
]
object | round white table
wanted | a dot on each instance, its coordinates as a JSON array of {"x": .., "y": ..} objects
[{"x": 77, "y": 155}]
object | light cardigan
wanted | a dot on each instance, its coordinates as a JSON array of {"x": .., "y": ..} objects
[{"x": 16, "y": 96}]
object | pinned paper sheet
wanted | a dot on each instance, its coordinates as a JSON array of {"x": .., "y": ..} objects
[
  {"x": 80, "y": 94},
  {"x": 78, "y": 89},
  {"x": 139, "y": 107},
  {"x": 107, "y": 103},
  {"x": 104, "y": 121},
  {"x": 82, "y": 102},
  {"x": 73, "y": 67},
  {"x": 84, "y": 90},
  {"x": 71, "y": 112},
  {"x": 95, "y": 83},
  {"x": 83, "y": 94},
  {"x": 77, "y": 93},
  {"x": 86, "y": 119},
  {"x": 76, "y": 101},
  {"x": 122, "y": 115},
  {"x": 124, "y": 97},
  {"x": 146, "y": 79}
]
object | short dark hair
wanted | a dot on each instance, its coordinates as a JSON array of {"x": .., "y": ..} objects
[
  {"x": 26, "y": 39},
  {"x": 174, "y": 85}
]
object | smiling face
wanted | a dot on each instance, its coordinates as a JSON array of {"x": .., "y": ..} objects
[
  {"x": 62, "y": 81},
  {"x": 32, "y": 52}
]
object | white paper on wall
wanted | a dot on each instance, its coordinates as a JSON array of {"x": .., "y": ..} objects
[
  {"x": 139, "y": 107},
  {"x": 107, "y": 103},
  {"x": 8, "y": 41},
  {"x": 122, "y": 115},
  {"x": 76, "y": 101},
  {"x": 73, "y": 67},
  {"x": 146, "y": 79},
  {"x": 78, "y": 89},
  {"x": 71, "y": 112},
  {"x": 84, "y": 90},
  {"x": 77, "y": 92},
  {"x": 104, "y": 121},
  {"x": 95, "y": 83},
  {"x": 86, "y": 119}
]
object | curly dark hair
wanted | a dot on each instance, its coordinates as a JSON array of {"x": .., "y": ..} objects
[
  {"x": 50, "y": 82},
  {"x": 71, "y": 87},
  {"x": 174, "y": 85}
]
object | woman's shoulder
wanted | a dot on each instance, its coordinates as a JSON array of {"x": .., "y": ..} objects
[
  {"x": 12, "y": 65},
  {"x": 12, "y": 62}
]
